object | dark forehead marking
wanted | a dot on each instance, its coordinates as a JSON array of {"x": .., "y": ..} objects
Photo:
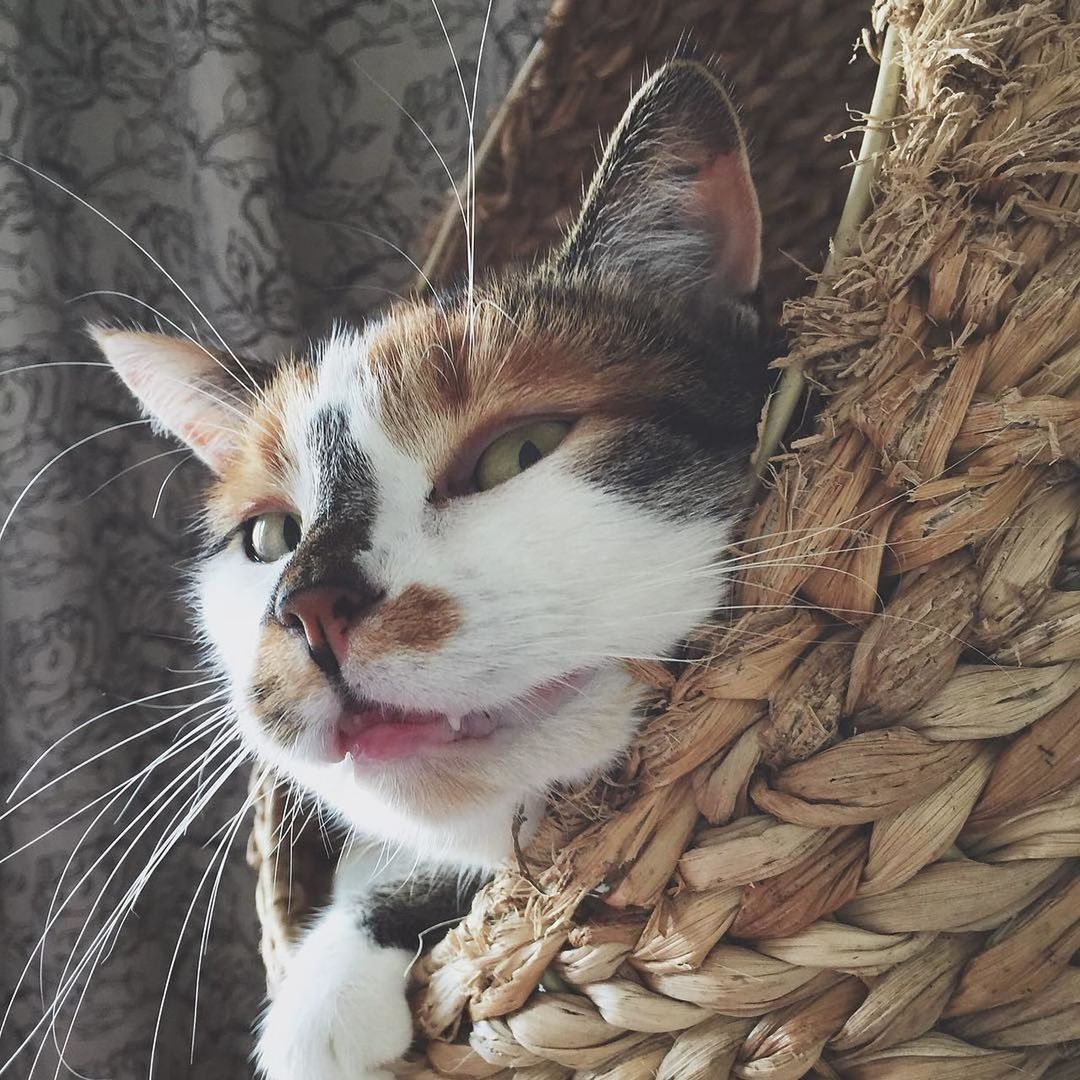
[
  {"x": 347, "y": 488},
  {"x": 348, "y": 501}
]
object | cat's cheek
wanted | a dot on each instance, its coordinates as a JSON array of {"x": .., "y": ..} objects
[{"x": 232, "y": 597}]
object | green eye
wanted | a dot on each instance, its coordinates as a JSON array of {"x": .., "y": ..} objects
[
  {"x": 270, "y": 537},
  {"x": 517, "y": 450}
]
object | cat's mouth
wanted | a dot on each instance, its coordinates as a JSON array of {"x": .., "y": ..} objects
[{"x": 375, "y": 732}]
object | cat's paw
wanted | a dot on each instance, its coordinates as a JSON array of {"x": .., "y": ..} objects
[{"x": 341, "y": 1013}]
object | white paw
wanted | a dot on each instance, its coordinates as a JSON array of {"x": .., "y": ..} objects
[{"x": 341, "y": 1013}]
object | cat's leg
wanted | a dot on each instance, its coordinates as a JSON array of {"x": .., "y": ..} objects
[{"x": 341, "y": 1013}]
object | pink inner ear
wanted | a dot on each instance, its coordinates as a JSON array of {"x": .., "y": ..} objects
[
  {"x": 726, "y": 197},
  {"x": 197, "y": 436},
  {"x": 181, "y": 387}
]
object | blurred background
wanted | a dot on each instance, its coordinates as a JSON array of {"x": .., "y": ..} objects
[{"x": 265, "y": 152}]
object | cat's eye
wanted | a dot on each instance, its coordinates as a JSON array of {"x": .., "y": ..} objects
[
  {"x": 518, "y": 450},
  {"x": 270, "y": 537}
]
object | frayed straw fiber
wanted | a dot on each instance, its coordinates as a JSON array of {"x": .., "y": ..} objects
[{"x": 845, "y": 845}]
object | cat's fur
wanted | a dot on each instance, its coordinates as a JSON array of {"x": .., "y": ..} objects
[{"x": 512, "y": 608}]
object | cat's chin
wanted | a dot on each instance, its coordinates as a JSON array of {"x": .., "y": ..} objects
[
  {"x": 459, "y": 800},
  {"x": 370, "y": 733}
]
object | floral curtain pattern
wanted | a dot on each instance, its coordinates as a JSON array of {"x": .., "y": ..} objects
[{"x": 273, "y": 156}]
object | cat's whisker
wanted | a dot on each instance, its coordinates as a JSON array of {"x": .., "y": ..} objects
[
  {"x": 164, "y": 483},
  {"x": 127, "y": 740},
  {"x": 520, "y": 333},
  {"x": 197, "y": 727},
  {"x": 765, "y": 635},
  {"x": 112, "y": 796},
  {"x": 82, "y": 725},
  {"x": 722, "y": 569},
  {"x": 58, "y": 457},
  {"x": 175, "y": 828},
  {"x": 278, "y": 834},
  {"x": 418, "y": 857},
  {"x": 137, "y": 465},
  {"x": 96, "y": 952},
  {"x": 224, "y": 847},
  {"x": 886, "y": 616},
  {"x": 454, "y": 188},
  {"x": 165, "y": 797},
  {"x": 802, "y": 536},
  {"x": 55, "y": 364},
  {"x": 55, "y": 897},
  {"x": 597, "y": 629},
  {"x": 394, "y": 247},
  {"x": 388, "y": 857},
  {"x": 421, "y": 942},
  {"x": 162, "y": 317},
  {"x": 295, "y": 829},
  {"x": 427, "y": 138},
  {"x": 471, "y": 225},
  {"x": 358, "y": 286},
  {"x": 468, "y": 211},
  {"x": 175, "y": 747},
  {"x": 145, "y": 252},
  {"x": 61, "y": 1049}
]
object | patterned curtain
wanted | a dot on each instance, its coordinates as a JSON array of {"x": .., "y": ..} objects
[{"x": 273, "y": 156}]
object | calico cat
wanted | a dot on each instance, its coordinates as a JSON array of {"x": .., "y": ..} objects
[{"x": 432, "y": 543}]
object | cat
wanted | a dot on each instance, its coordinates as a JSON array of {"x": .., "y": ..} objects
[{"x": 432, "y": 543}]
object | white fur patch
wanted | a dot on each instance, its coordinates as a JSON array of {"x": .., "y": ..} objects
[{"x": 341, "y": 1013}]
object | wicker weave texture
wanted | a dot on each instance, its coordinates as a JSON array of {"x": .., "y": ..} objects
[{"x": 845, "y": 844}]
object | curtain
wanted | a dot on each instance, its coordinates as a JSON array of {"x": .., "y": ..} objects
[{"x": 273, "y": 157}]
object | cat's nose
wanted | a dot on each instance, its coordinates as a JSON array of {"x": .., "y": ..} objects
[{"x": 325, "y": 614}]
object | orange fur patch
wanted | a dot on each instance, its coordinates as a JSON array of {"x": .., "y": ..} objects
[
  {"x": 443, "y": 387},
  {"x": 283, "y": 675},
  {"x": 260, "y": 471},
  {"x": 421, "y": 619}
]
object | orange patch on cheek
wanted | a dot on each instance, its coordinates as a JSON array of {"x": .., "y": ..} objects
[
  {"x": 283, "y": 679},
  {"x": 421, "y": 619},
  {"x": 282, "y": 655}
]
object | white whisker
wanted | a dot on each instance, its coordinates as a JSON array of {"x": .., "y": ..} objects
[
  {"x": 168, "y": 476},
  {"x": 52, "y": 461},
  {"x": 101, "y": 716},
  {"x": 139, "y": 247}
]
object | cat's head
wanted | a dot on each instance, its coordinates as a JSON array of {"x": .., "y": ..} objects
[{"x": 434, "y": 542}]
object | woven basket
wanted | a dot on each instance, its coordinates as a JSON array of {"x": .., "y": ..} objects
[{"x": 844, "y": 843}]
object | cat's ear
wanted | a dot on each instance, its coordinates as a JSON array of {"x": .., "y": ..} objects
[
  {"x": 187, "y": 390},
  {"x": 673, "y": 203}
]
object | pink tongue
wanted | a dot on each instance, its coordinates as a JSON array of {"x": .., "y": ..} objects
[{"x": 390, "y": 741}]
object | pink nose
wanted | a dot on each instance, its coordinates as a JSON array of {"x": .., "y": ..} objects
[{"x": 326, "y": 614}]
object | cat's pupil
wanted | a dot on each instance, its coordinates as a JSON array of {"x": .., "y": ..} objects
[
  {"x": 291, "y": 533},
  {"x": 528, "y": 455}
]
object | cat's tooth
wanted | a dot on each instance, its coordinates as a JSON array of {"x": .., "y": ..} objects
[{"x": 454, "y": 722}]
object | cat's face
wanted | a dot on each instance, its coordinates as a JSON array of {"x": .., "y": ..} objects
[{"x": 433, "y": 544}]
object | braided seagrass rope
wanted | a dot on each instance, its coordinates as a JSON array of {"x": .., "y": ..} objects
[{"x": 845, "y": 844}]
